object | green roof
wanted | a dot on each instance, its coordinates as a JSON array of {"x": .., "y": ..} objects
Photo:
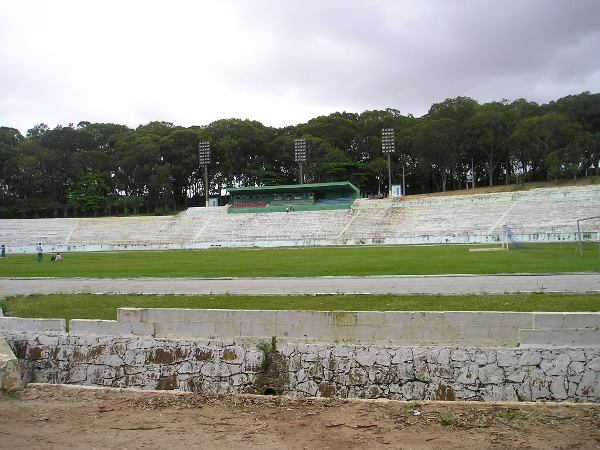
[{"x": 314, "y": 187}]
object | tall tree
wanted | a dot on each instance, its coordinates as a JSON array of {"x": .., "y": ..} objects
[{"x": 487, "y": 131}]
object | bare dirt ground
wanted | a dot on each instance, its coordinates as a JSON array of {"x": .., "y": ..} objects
[{"x": 46, "y": 416}]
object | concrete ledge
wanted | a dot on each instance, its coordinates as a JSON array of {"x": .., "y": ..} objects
[
  {"x": 560, "y": 338},
  {"x": 464, "y": 328},
  {"x": 24, "y": 325},
  {"x": 10, "y": 369},
  {"x": 566, "y": 320},
  {"x": 84, "y": 327}
]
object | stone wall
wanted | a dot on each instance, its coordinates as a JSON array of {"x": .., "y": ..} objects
[{"x": 298, "y": 369}]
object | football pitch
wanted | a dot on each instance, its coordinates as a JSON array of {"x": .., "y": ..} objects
[
  {"x": 304, "y": 262},
  {"x": 311, "y": 262}
]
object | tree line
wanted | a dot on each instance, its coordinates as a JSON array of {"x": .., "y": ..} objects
[{"x": 103, "y": 168}]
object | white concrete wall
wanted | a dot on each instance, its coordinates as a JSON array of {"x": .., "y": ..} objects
[
  {"x": 467, "y": 328},
  {"x": 26, "y": 325}
]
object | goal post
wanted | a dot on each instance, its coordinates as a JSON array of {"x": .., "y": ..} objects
[{"x": 580, "y": 232}]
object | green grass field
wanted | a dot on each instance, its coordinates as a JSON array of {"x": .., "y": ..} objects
[
  {"x": 310, "y": 262},
  {"x": 88, "y": 306}
]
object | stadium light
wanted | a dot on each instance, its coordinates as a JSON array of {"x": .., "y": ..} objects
[
  {"x": 300, "y": 155},
  {"x": 388, "y": 147},
  {"x": 204, "y": 159}
]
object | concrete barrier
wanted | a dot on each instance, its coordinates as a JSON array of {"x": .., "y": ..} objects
[
  {"x": 459, "y": 328},
  {"x": 462, "y": 328},
  {"x": 10, "y": 368},
  {"x": 26, "y": 325},
  {"x": 85, "y": 327}
]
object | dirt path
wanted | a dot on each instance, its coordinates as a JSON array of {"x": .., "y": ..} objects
[{"x": 45, "y": 416}]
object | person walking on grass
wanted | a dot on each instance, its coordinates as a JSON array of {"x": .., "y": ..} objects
[{"x": 40, "y": 252}]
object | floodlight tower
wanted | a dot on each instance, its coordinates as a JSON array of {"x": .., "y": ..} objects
[
  {"x": 387, "y": 147},
  {"x": 204, "y": 159},
  {"x": 300, "y": 155}
]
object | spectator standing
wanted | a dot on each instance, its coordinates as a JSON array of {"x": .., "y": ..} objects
[
  {"x": 2, "y": 251},
  {"x": 40, "y": 252}
]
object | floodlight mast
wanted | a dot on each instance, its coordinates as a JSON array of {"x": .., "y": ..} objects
[
  {"x": 204, "y": 160},
  {"x": 300, "y": 155},
  {"x": 387, "y": 147}
]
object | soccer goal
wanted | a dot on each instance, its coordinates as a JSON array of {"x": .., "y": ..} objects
[
  {"x": 586, "y": 229},
  {"x": 507, "y": 238}
]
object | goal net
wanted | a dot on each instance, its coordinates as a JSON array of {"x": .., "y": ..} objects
[{"x": 588, "y": 230}]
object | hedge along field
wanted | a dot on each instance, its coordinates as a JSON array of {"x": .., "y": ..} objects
[
  {"x": 90, "y": 306},
  {"x": 310, "y": 262}
]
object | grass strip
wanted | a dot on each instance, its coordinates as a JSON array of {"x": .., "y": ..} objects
[
  {"x": 90, "y": 306},
  {"x": 310, "y": 262}
]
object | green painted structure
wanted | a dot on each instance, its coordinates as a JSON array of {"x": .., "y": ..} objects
[{"x": 292, "y": 197}]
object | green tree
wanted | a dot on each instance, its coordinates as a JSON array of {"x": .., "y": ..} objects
[
  {"x": 488, "y": 130},
  {"x": 539, "y": 136},
  {"x": 90, "y": 194}
]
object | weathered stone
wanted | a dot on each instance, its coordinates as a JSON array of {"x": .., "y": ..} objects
[
  {"x": 557, "y": 366},
  {"x": 506, "y": 358},
  {"x": 481, "y": 358},
  {"x": 443, "y": 357},
  {"x": 383, "y": 358},
  {"x": 558, "y": 389},
  {"x": 366, "y": 358},
  {"x": 590, "y": 385},
  {"x": 539, "y": 385},
  {"x": 459, "y": 355},
  {"x": 421, "y": 370},
  {"x": 491, "y": 374},
  {"x": 576, "y": 355},
  {"x": 530, "y": 358},
  {"x": 468, "y": 374},
  {"x": 594, "y": 364},
  {"x": 404, "y": 372},
  {"x": 515, "y": 376},
  {"x": 315, "y": 370},
  {"x": 357, "y": 377},
  {"x": 499, "y": 393},
  {"x": 414, "y": 390},
  {"x": 10, "y": 368},
  {"x": 443, "y": 392},
  {"x": 576, "y": 367},
  {"x": 401, "y": 355},
  {"x": 340, "y": 351}
]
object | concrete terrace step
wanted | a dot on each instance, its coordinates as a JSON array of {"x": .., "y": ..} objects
[{"x": 536, "y": 215}]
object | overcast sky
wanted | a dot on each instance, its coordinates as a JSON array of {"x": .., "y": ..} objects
[{"x": 282, "y": 62}]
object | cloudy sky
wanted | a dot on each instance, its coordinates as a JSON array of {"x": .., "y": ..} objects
[{"x": 283, "y": 62}]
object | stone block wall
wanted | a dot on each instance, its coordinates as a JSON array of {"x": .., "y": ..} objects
[{"x": 325, "y": 370}]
